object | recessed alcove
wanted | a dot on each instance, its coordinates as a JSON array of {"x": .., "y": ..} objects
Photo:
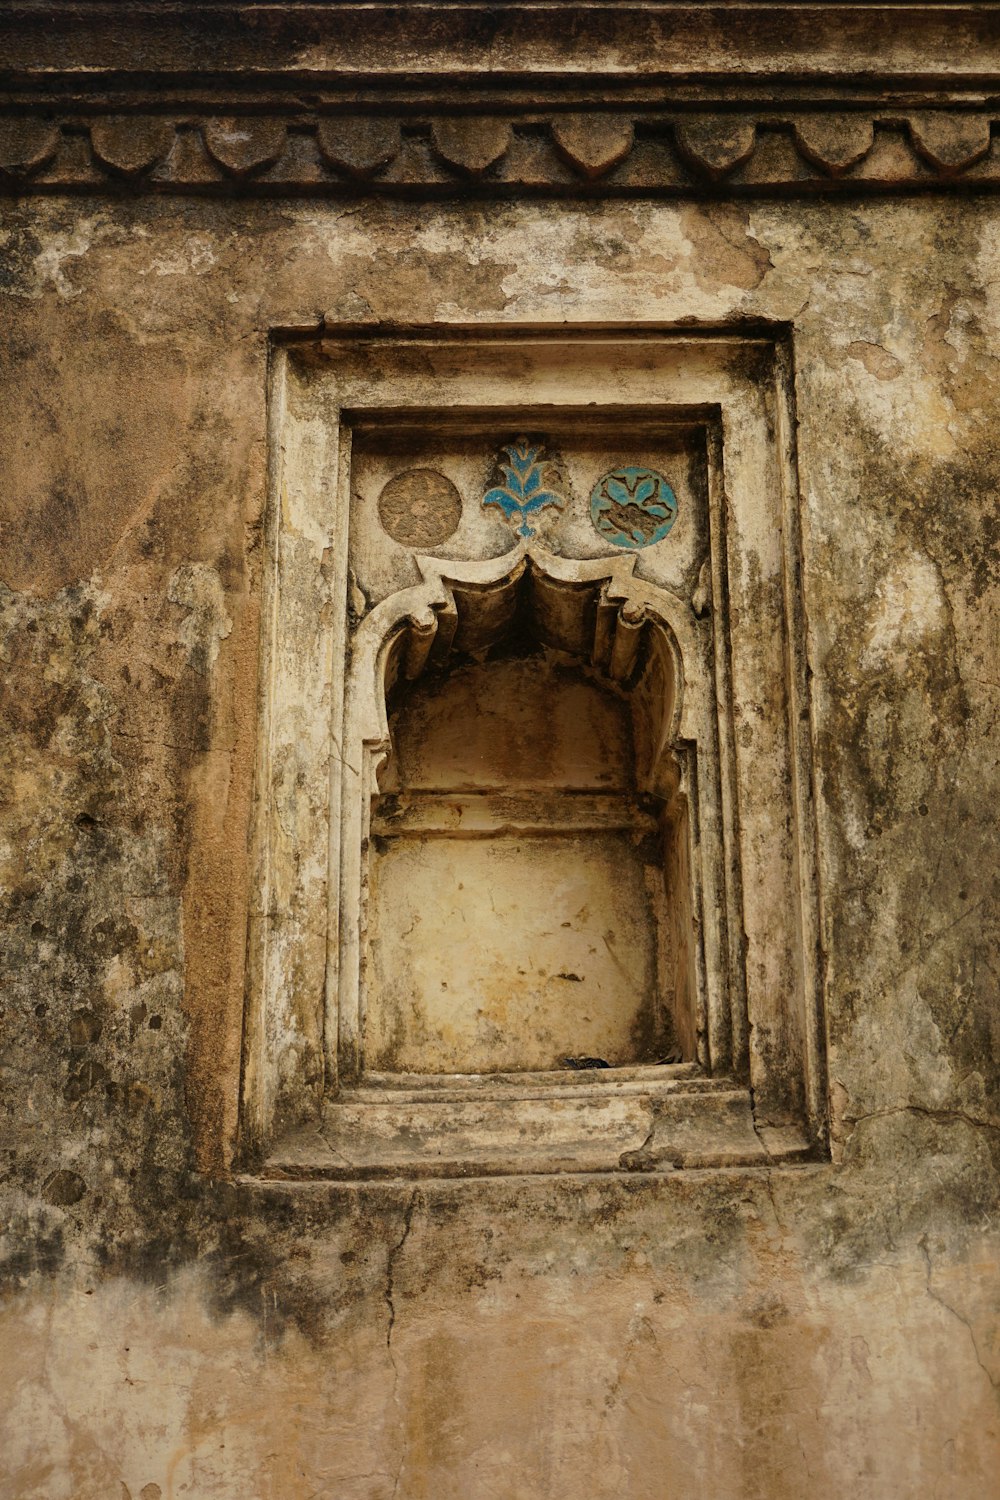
[{"x": 528, "y": 906}]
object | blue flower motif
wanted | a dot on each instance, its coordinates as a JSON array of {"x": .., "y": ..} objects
[
  {"x": 525, "y": 493},
  {"x": 633, "y": 506}
]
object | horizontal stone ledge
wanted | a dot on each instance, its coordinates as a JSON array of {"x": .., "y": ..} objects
[
  {"x": 667, "y": 1077},
  {"x": 593, "y": 152},
  {"x": 369, "y": 1135},
  {"x": 461, "y": 815}
]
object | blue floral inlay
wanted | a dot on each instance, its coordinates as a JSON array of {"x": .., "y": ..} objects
[
  {"x": 525, "y": 492},
  {"x": 633, "y": 506}
]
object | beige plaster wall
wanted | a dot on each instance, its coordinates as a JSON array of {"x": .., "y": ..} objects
[{"x": 166, "y": 1332}]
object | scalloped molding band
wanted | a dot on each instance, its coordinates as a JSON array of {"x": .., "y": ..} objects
[{"x": 614, "y": 152}]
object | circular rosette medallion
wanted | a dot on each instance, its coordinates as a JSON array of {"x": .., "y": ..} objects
[
  {"x": 633, "y": 506},
  {"x": 419, "y": 508}
]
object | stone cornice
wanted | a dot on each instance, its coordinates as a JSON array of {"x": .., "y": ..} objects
[
  {"x": 605, "y": 40},
  {"x": 547, "y": 98}
]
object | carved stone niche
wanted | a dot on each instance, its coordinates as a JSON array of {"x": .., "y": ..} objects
[
  {"x": 534, "y": 849},
  {"x": 527, "y": 898}
]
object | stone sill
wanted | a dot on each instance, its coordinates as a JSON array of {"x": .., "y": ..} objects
[{"x": 640, "y": 1120}]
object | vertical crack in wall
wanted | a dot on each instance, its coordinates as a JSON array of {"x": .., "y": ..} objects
[
  {"x": 936, "y": 1297},
  {"x": 389, "y": 1295},
  {"x": 390, "y": 1270}
]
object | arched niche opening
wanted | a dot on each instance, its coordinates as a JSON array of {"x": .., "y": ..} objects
[{"x": 528, "y": 895}]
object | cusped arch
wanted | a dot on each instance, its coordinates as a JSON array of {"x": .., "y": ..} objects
[{"x": 595, "y": 609}]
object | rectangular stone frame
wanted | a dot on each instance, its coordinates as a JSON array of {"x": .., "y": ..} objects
[{"x": 765, "y": 1050}]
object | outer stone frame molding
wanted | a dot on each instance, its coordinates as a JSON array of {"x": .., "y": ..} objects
[{"x": 755, "y": 1091}]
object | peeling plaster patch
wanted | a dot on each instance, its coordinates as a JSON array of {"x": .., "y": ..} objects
[
  {"x": 59, "y": 249},
  {"x": 444, "y": 237},
  {"x": 524, "y": 263},
  {"x": 194, "y": 255},
  {"x": 197, "y": 588},
  {"x": 854, "y": 820},
  {"x": 912, "y": 415},
  {"x": 910, "y": 608},
  {"x": 876, "y": 360},
  {"x": 923, "y": 1074},
  {"x": 339, "y": 234},
  {"x": 28, "y": 272},
  {"x": 642, "y": 267},
  {"x": 957, "y": 323},
  {"x": 726, "y": 254},
  {"x": 985, "y": 264}
]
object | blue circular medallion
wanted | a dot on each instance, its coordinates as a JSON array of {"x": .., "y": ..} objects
[{"x": 633, "y": 506}]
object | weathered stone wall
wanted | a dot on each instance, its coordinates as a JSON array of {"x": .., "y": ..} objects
[{"x": 168, "y": 1331}]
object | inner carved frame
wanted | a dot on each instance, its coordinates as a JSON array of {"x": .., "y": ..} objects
[{"x": 594, "y": 612}]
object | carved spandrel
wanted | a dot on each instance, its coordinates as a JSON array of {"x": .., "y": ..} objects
[{"x": 584, "y": 489}]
